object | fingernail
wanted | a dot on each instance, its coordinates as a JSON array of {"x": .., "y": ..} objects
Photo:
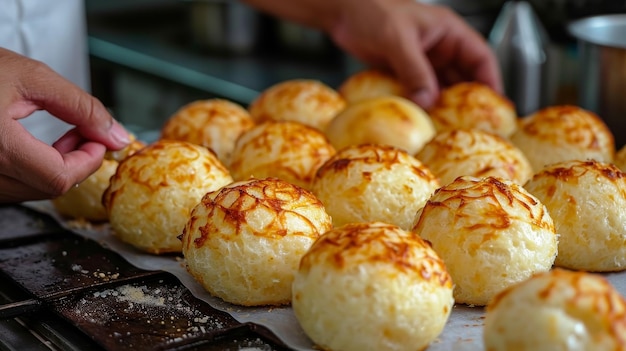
[
  {"x": 119, "y": 134},
  {"x": 423, "y": 98}
]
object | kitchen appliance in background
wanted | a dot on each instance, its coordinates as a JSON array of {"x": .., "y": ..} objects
[
  {"x": 602, "y": 74},
  {"x": 521, "y": 46}
]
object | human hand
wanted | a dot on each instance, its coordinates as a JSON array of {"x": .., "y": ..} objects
[
  {"x": 427, "y": 47},
  {"x": 29, "y": 168}
]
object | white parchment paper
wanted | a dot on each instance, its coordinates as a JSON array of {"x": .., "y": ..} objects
[{"x": 463, "y": 332}]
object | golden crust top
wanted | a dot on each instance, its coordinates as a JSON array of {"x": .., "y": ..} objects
[
  {"x": 568, "y": 125},
  {"x": 497, "y": 194},
  {"x": 376, "y": 155},
  {"x": 474, "y": 105},
  {"x": 306, "y": 101},
  {"x": 286, "y": 208},
  {"x": 370, "y": 83},
  {"x": 354, "y": 244},
  {"x": 140, "y": 168}
]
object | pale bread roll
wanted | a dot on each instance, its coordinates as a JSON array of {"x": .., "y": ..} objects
[
  {"x": 490, "y": 232},
  {"x": 557, "y": 310},
  {"x": 84, "y": 201},
  {"x": 587, "y": 201},
  {"x": 288, "y": 150},
  {"x": 244, "y": 242},
  {"x": 475, "y": 106},
  {"x": 214, "y": 123},
  {"x": 369, "y": 83},
  {"x": 454, "y": 153},
  {"x": 387, "y": 120},
  {"x": 368, "y": 183},
  {"x": 153, "y": 191},
  {"x": 372, "y": 286},
  {"x": 562, "y": 133},
  {"x": 310, "y": 102}
]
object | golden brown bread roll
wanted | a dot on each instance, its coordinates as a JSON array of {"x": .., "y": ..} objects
[
  {"x": 587, "y": 201},
  {"x": 373, "y": 183},
  {"x": 557, "y": 310},
  {"x": 243, "y": 243},
  {"x": 153, "y": 191},
  {"x": 475, "y": 106},
  {"x": 214, "y": 123},
  {"x": 490, "y": 232},
  {"x": 563, "y": 133},
  {"x": 370, "y": 83},
  {"x": 372, "y": 286},
  {"x": 309, "y": 102},
  {"x": 386, "y": 120},
  {"x": 288, "y": 150},
  {"x": 454, "y": 153}
]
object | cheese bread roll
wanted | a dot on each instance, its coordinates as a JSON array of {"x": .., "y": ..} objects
[
  {"x": 387, "y": 120},
  {"x": 474, "y": 152},
  {"x": 471, "y": 105},
  {"x": 243, "y": 243},
  {"x": 372, "y": 286},
  {"x": 214, "y": 123},
  {"x": 370, "y": 83},
  {"x": 310, "y": 102},
  {"x": 587, "y": 201},
  {"x": 563, "y": 133},
  {"x": 153, "y": 191},
  {"x": 557, "y": 311},
  {"x": 288, "y": 150},
  {"x": 490, "y": 232},
  {"x": 373, "y": 183}
]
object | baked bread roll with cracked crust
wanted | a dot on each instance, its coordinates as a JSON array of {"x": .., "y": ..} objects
[
  {"x": 490, "y": 232},
  {"x": 473, "y": 152},
  {"x": 370, "y": 83},
  {"x": 563, "y": 133},
  {"x": 368, "y": 183},
  {"x": 153, "y": 191},
  {"x": 307, "y": 101},
  {"x": 244, "y": 242},
  {"x": 214, "y": 123},
  {"x": 372, "y": 286},
  {"x": 558, "y": 310},
  {"x": 587, "y": 201},
  {"x": 287, "y": 150},
  {"x": 476, "y": 106},
  {"x": 386, "y": 120}
]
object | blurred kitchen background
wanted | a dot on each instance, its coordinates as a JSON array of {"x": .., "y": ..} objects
[{"x": 150, "y": 57}]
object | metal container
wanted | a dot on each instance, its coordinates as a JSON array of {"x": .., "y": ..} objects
[
  {"x": 227, "y": 26},
  {"x": 521, "y": 46},
  {"x": 602, "y": 76}
]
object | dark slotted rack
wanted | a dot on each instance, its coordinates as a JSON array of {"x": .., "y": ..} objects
[{"x": 61, "y": 291}]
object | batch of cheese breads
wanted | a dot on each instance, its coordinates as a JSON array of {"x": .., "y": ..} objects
[{"x": 372, "y": 217}]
